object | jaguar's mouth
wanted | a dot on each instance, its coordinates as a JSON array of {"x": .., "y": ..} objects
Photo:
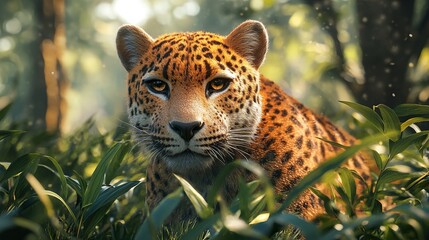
[{"x": 188, "y": 160}]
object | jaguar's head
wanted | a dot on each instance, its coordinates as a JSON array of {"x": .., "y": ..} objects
[{"x": 193, "y": 98}]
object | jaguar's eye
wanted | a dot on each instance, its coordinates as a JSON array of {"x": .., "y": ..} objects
[
  {"x": 217, "y": 85},
  {"x": 157, "y": 86}
]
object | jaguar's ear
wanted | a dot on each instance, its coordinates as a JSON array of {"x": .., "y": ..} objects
[
  {"x": 250, "y": 40},
  {"x": 131, "y": 43}
]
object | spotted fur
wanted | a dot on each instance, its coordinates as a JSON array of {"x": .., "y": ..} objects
[{"x": 252, "y": 118}]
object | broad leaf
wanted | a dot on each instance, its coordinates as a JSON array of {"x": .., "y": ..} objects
[
  {"x": 348, "y": 183},
  {"x": 389, "y": 175},
  {"x": 377, "y": 158},
  {"x": 391, "y": 122},
  {"x": 403, "y": 143},
  {"x": 367, "y": 113},
  {"x": 405, "y": 110}
]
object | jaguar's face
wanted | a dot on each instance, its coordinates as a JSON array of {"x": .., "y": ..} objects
[{"x": 194, "y": 97}]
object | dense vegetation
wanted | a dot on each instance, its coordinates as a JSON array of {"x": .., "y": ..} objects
[{"x": 90, "y": 185}]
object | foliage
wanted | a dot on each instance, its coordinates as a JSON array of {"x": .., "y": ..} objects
[
  {"x": 50, "y": 188},
  {"x": 79, "y": 193}
]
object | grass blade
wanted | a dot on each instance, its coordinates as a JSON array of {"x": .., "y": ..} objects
[
  {"x": 59, "y": 173},
  {"x": 116, "y": 153},
  {"x": 41, "y": 193},
  {"x": 200, "y": 205},
  {"x": 410, "y": 121},
  {"x": 7, "y": 133},
  {"x": 154, "y": 221},
  {"x": 108, "y": 196},
  {"x": 202, "y": 227},
  {"x": 63, "y": 202},
  {"x": 19, "y": 165},
  {"x": 101, "y": 205}
]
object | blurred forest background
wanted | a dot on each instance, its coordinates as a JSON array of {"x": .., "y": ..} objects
[{"x": 58, "y": 62}]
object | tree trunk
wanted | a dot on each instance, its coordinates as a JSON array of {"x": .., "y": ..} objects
[
  {"x": 49, "y": 83},
  {"x": 390, "y": 42},
  {"x": 386, "y": 37}
]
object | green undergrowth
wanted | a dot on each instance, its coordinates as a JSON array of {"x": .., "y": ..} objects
[{"x": 90, "y": 185}]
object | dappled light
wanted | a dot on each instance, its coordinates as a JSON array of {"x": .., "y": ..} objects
[{"x": 74, "y": 167}]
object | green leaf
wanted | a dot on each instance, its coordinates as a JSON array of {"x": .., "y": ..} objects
[
  {"x": 391, "y": 122},
  {"x": 334, "y": 144},
  {"x": 82, "y": 182},
  {"x": 371, "y": 221},
  {"x": 377, "y": 158},
  {"x": 419, "y": 183},
  {"x": 109, "y": 195},
  {"x": 420, "y": 217},
  {"x": 44, "y": 199},
  {"x": 367, "y": 113},
  {"x": 348, "y": 183},
  {"x": 21, "y": 189},
  {"x": 345, "y": 198},
  {"x": 200, "y": 205},
  {"x": 7, "y": 133},
  {"x": 327, "y": 202},
  {"x": 4, "y": 111},
  {"x": 63, "y": 202},
  {"x": 154, "y": 221},
  {"x": 281, "y": 220},
  {"x": 115, "y": 153},
  {"x": 202, "y": 227},
  {"x": 59, "y": 173},
  {"x": 237, "y": 225},
  {"x": 101, "y": 205},
  {"x": 74, "y": 184},
  {"x": 327, "y": 166},
  {"x": 116, "y": 162},
  {"x": 244, "y": 197},
  {"x": 376, "y": 207},
  {"x": 19, "y": 165},
  {"x": 248, "y": 165},
  {"x": 410, "y": 121},
  {"x": 7, "y": 222},
  {"x": 389, "y": 175},
  {"x": 403, "y": 143},
  {"x": 405, "y": 110}
]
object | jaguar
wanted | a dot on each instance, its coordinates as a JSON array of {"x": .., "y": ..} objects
[{"x": 197, "y": 101}]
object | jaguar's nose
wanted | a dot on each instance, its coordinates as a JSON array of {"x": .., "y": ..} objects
[{"x": 186, "y": 130}]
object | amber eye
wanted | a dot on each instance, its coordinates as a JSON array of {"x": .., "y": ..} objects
[
  {"x": 217, "y": 85},
  {"x": 157, "y": 86}
]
